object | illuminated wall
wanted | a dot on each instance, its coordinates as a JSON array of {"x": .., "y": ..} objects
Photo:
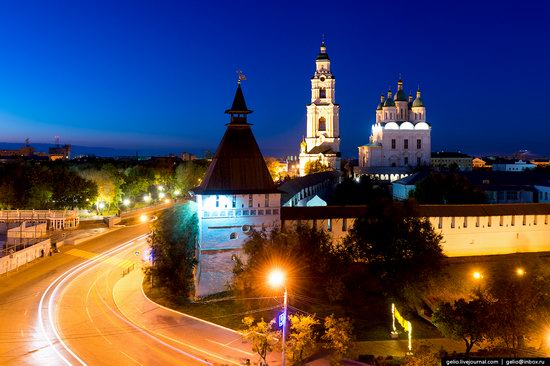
[{"x": 466, "y": 236}]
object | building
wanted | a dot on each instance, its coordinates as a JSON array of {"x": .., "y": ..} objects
[
  {"x": 59, "y": 152},
  {"x": 400, "y": 139},
  {"x": 512, "y": 166},
  {"x": 236, "y": 195},
  {"x": 478, "y": 163},
  {"x": 322, "y": 140},
  {"x": 444, "y": 160},
  {"x": 311, "y": 190}
]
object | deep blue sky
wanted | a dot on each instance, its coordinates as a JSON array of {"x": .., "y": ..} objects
[{"x": 141, "y": 74}]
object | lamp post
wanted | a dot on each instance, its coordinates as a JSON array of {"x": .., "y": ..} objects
[{"x": 277, "y": 279}]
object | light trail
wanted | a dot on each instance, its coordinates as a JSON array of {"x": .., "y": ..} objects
[{"x": 57, "y": 283}]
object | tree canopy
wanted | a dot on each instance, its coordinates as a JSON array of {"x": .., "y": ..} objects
[
  {"x": 398, "y": 246},
  {"x": 447, "y": 188}
]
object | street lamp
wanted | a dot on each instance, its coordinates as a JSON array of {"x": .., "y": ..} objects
[
  {"x": 277, "y": 279},
  {"x": 477, "y": 275},
  {"x": 126, "y": 202},
  {"x": 520, "y": 272}
]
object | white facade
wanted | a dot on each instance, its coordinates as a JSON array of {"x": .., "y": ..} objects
[
  {"x": 401, "y": 135},
  {"x": 322, "y": 141},
  {"x": 518, "y": 166}
]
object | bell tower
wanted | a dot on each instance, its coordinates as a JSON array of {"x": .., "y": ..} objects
[{"x": 323, "y": 127}]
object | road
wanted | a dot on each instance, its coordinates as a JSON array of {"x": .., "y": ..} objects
[{"x": 77, "y": 308}]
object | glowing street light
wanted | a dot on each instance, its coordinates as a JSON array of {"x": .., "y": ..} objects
[
  {"x": 167, "y": 200},
  {"x": 520, "y": 272},
  {"x": 160, "y": 187},
  {"x": 162, "y": 195},
  {"x": 146, "y": 198},
  {"x": 143, "y": 218},
  {"x": 126, "y": 202},
  {"x": 101, "y": 205},
  {"x": 477, "y": 275},
  {"x": 177, "y": 192},
  {"x": 277, "y": 279}
]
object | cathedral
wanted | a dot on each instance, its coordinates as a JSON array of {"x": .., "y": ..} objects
[
  {"x": 322, "y": 141},
  {"x": 400, "y": 137}
]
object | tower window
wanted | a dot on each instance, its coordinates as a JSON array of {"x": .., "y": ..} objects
[
  {"x": 322, "y": 124},
  {"x": 419, "y": 144},
  {"x": 217, "y": 201},
  {"x": 322, "y": 93},
  {"x": 250, "y": 202},
  {"x": 418, "y": 161},
  {"x": 385, "y": 115},
  {"x": 234, "y": 203},
  {"x": 393, "y": 143},
  {"x": 401, "y": 114},
  {"x": 406, "y": 161},
  {"x": 266, "y": 203},
  {"x": 406, "y": 144}
]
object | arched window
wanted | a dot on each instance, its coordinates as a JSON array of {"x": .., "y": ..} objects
[
  {"x": 322, "y": 93},
  {"x": 322, "y": 124}
]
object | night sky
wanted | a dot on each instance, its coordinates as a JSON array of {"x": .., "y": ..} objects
[{"x": 154, "y": 74}]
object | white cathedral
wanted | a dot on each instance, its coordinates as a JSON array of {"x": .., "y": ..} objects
[
  {"x": 400, "y": 139},
  {"x": 322, "y": 141}
]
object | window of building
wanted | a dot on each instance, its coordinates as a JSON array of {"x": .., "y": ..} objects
[
  {"x": 266, "y": 200},
  {"x": 524, "y": 220},
  {"x": 217, "y": 201},
  {"x": 322, "y": 124},
  {"x": 477, "y": 221},
  {"x": 545, "y": 219},
  {"x": 465, "y": 225},
  {"x": 513, "y": 220},
  {"x": 234, "y": 203},
  {"x": 419, "y": 144},
  {"x": 440, "y": 225},
  {"x": 250, "y": 200},
  {"x": 501, "y": 220},
  {"x": 329, "y": 224},
  {"x": 406, "y": 160},
  {"x": 385, "y": 115},
  {"x": 418, "y": 161},
  {"x": 233, "y": 236},
  {"x": 401, "y": 114},
  {"x": 322, "y": 93},
  {"x": 511, "y": 196},
  {"x": 406, "y": 143},
  {"x": 452, "y": 222},
  {"x": 393, "y": 143},
  {"x": 344, "y": 224},
  {"x": 489, "y": 221}
]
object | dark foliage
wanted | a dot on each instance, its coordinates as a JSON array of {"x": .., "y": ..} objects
[
  {"x": 351, "y": 192},
  {"x": 173, "y": 250},
  {"x": 447, "y": 188},
  {"x": 399, "y": 248}
]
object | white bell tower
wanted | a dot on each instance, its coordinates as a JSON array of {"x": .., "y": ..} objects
[{"x": 322, "y": 141}]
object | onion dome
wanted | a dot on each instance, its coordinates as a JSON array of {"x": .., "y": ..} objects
[
  {"x": 418, "y": 101},
  {"x": 400, "y": 95},
  {"x": 389, "y": 102},
  {"x": 323, "y": 55},
  {"x": 381, "y": 104}
]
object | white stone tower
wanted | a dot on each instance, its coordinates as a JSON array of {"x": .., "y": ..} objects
[{"x": 322, "y": 141}]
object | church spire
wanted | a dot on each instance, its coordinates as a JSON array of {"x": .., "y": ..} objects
[{"x": 238, "y": 110}]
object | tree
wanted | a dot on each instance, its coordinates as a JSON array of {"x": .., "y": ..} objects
[
  {"x": 316, "y": 167},
  {"x": 464, "y": 320},
  {"x": 106, "y": 188},
  {"x": 422, "y": 356},
  {"x": 338, "y": 337},
  {"x": 518, "y": 302},
  {"x": 301, "y": 342},
  {"x": 399, "y": 248},
  {"x": 188, "y": 175},
  {"x": 447, "y": 188},
  {"x": 173, "y": 250},
  {"x": 351, "y": 192},
  {"x": 308, "y": 254},
  {"x": 263, "y": 337}
]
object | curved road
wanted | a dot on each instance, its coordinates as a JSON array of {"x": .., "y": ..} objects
[{"x": 77, "y": 308}]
